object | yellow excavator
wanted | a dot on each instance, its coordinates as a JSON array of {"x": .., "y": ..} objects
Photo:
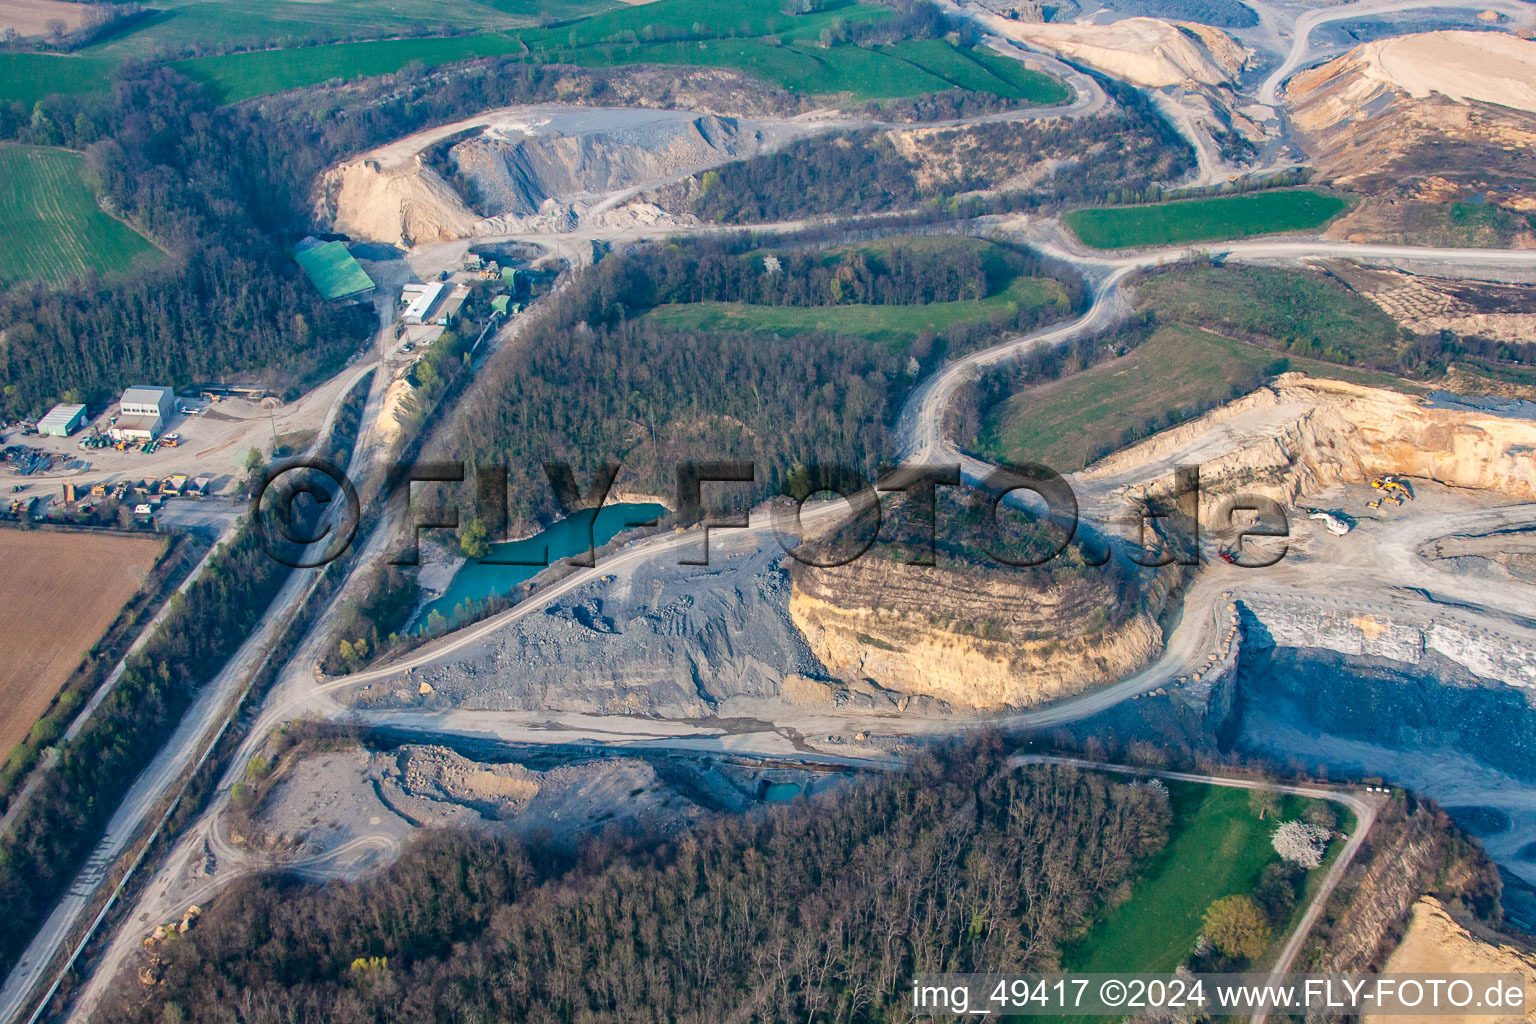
[{"x": 1392, "y": 488}]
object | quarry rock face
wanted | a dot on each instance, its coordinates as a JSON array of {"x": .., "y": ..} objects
[
  {"x": 1482, "y": 651},
  {"x": 516, "y": 169},
  {"x": 1436, "y": 942},
  {"x": 1317, "y": 433},
  {"x": 969, "y": 638}
]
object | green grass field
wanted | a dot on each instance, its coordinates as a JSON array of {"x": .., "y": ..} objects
[
  {"x": 887, "y": 325},
  {"x": 178, "y": 26},
  {"x": 1308, "y": 313},
  {"x": 241, "y": 76},
  {"x": 1198, "y": 220},
  {"x": 293, "y": 44},
  {"x": 1064, "y": 423},
  {"x": 26, "y": 78},
  {"x": 51, "y": 223},
  {"x": 1217, "y": 847},
  {"x": 754, "y": 37}
]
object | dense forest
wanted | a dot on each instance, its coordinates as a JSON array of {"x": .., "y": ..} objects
[
  {"x": 62, "y": 819},
  {"x": 230, "y": 300},
  {"x": 595, "y": 381},
  {"x": 906, "y": 273},
  {"x": 1116, "y": 156},
  {"x": 821, "y": 911}
]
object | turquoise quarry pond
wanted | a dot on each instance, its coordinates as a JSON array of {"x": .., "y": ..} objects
[{"x": 479, "y": 579}]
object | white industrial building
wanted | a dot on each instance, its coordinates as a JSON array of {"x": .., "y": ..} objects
[
  {"x": 143, "y": 412},
  {"x": 420, "y": 299}
]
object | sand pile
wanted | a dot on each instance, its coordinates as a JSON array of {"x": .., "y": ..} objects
[
  {"x": 402, "y": 204},
  {"x": 1426, "y": 118},
  {"x": 1435, "y": 943},
  {"x": 1488, "y": 66},
  {"x": 1149, "y": 52}
]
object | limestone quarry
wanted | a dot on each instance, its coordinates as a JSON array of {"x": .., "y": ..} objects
[
  {"x": 530, "y": 169},
  {"x": 1301, "y": 435},
  {"x": 334, "y": 798}
]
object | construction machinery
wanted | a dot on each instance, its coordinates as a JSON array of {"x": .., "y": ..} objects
[
  {"x": 1335, "y": 525},
  {"x": 1392, "y": 488}
]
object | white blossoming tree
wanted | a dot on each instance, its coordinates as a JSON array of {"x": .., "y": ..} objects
[{"x": 1301, "y": 843}]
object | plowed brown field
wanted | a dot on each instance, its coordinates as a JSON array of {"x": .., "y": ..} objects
[{"x": 58, "y": 594}]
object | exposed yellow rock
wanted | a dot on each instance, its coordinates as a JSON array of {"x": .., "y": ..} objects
[
  {"x": 805, "y": 691},
  {"x": 948, "y": 635},
  {"x": 1377, "y": 117},
  {"x": 1490, "y": 66},
  {"x": 1303, "y": 435},
  {"x": 1436, "y": 944},
  {"x": 403, "y": 204}
]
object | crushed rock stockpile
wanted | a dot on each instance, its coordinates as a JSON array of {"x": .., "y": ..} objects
[
  {"x": 1383, "y": 115},
  {"x": 1490, "y": 66},
  {"x": 1149, "y": 52},
  {"x": 436, "y": 787},
  {"x": 532, "y": 169},
  {"x": 662, "y": 640},
  {"x": 517, "y": 167},
  {"x": 972, "y": 641},
  {"x": 398, "y": 204},
  {"x": 1300, "y": 435}
]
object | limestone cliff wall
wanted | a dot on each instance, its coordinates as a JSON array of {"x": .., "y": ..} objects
[
  {"x": 973, "y": 639},
  {"x": 1303, "y": 434},
  {"x": 1483, "y": 651}
]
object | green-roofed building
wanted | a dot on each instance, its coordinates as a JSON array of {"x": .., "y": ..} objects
[
  {"x": 332, "y": 270},
  {"x": 499, "y": 304}
]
